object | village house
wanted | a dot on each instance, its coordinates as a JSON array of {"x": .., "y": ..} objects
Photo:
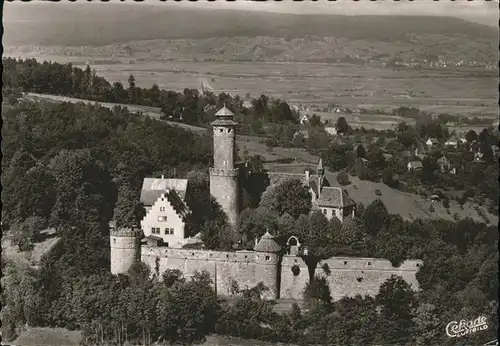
[
  {"x": 334, "y": 201},
  {"x": 444, "y": 164},
  {"x": 331, "y": 130},
  {"x": 432, "y": 142},
  {"x": 414, "y": 166},
  {"x": 304, "y": 119},
  {"x": 452, "y": 142}
]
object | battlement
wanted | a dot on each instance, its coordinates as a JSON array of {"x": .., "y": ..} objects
[
  {"x": 222, "y": 172},
  {"x": 357, "y": 263},
  {"x": 211, "y": 255},
  {"x": 125, "y": 232},
  {"x": 362, "y": 263}
]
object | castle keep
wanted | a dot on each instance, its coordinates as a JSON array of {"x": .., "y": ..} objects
[
  {"x": 285, "y": 276},
  {"x": 224, "y": 175}
]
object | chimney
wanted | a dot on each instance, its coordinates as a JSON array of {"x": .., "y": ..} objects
[
  {"x": 307, "y": 176},
  {"x": 162, "y": 177},
  {"x": 256, "y": 241}
]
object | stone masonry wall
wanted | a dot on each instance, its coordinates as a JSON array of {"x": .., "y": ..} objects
[
  {"x": 348, "y": 276},
  {"x": 125, "y": 251},
  {"x": 246, "y": 267},
  {"x": 224, "y": 188}
]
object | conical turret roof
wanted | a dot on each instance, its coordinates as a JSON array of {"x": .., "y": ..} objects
[
  {"x": 267, "y": 244},
  {"x": 224, "y": 112}
]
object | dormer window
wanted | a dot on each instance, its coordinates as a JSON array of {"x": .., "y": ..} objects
[{"x": 268, "y": 258}]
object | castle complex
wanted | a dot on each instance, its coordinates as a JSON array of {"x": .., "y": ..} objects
[{"x": 165, "y": 245}]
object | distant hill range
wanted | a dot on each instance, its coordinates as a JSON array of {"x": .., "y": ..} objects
[{"x": 82, "y": 24}]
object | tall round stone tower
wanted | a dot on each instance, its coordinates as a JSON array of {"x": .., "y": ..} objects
[
  {"x": 223, "y": 175},
  {"x": 125, "y": 249},
  {"x": 267, "y": 265}
]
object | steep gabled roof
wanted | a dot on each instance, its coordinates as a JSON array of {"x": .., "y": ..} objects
[
  {"x": 152, "y": 188},
  {"x": 178, "y": 204},
  {"x": 416, "y": 164},
  {"x": 334, "y": 197}
]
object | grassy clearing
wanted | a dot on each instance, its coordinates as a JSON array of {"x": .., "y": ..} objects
[
  {"x": 49, "y": 337},
  {"x": 408, "y": 206},
  {"x": 25, "y": 258}
]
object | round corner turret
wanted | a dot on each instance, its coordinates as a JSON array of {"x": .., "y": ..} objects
[{"x": 125, "y": 248}]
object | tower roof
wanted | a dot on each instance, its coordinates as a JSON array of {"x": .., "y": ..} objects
[
  {"x": 224, "y": 112},
  {"x": 267, "y": 244},
  {"x": 224, "y": 117}
]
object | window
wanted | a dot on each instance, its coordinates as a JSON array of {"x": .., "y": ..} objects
[
  {"x": 369, "y": 263},
  {"x": 324, "y": 211},
  {"x": 162, "y": 208},
  {"x": 114, "y": 242},
  {"x": 155, "y": 230},
  {"x": 171, "y": 231},
  {"x": 162, "y": 218},
  {"x": 167, "y": 231},
  {"x": 221, "y": 130},
  {"x": 268, "y": 258},
  {"x": 345, "y": 263}
]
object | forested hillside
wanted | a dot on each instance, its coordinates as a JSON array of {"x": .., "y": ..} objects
[{"x": 48, "y": 24}]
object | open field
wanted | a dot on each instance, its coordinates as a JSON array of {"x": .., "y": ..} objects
[{"x": 466, "y": 92}]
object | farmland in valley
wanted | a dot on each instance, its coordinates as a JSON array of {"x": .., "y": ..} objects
[{"x": 460, "y": 92}]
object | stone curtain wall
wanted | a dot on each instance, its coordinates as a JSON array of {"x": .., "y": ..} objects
[
  {"x": 347, "y": 276},
  {"x": 248, "y": 268}
]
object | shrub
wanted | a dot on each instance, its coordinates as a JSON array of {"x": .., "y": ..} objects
[
  {"x": 343, "y": 178},
  {"x": 446, "y": 203}
]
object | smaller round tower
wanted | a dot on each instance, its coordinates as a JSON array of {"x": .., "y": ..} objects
[
  {"x": 125, "y": 249},
  {"x": 267, "y": 265}
]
